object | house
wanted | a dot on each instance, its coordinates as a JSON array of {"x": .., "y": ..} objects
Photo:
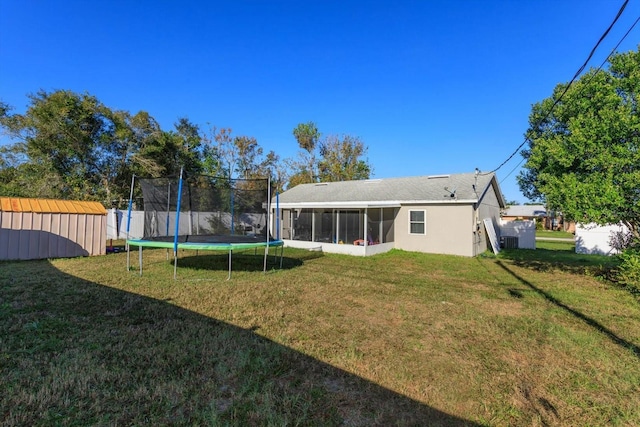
[
  {"x": 47, "y": 228},
  {"x": 552, "y": 220},
  {"x": 443, "y": 214},
  {"x": 525, "y": 212}
]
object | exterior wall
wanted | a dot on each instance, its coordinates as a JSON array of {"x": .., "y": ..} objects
[
  {"x": 32, "y": 235},
  {"x": 448, "y": 230},
  {"x": 488, "y": 207}
]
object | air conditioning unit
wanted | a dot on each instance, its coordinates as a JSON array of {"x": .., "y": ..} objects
[{"x": 509, "y": 242}]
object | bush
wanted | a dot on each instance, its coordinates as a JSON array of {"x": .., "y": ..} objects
[{"x": 628, "y": 272}]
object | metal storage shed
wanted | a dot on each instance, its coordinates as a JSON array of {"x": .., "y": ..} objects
[{"x": 46, "y": 228}]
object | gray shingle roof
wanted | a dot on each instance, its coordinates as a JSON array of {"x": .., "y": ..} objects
[
  {"x": 526, "y": 211},
  {"x": 465, "y": 187}
]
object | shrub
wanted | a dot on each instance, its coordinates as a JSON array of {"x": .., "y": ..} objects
[
  {"x": 628, "y": 272},
  {"x": 539, "y": 224}
]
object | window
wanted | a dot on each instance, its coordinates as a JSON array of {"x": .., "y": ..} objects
[{"x": 417, "y": 222}]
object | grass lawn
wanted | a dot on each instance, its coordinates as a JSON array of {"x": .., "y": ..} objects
[
  {"x": 554, "y": 234},
  {"x": 528, "y": 338}
]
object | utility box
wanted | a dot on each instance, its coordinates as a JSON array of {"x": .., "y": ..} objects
[{"x": 509, "y": 242}]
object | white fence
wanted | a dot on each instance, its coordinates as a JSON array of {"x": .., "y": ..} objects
[
  {"x": 117, "y": 224},
  {"x": 595, "y": 239},
  {"x": 524, "y": 231},
  {"x": 163, "y": 224}
]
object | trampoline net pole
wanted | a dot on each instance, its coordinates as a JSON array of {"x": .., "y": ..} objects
[
  {"x": 267, "y": 226},
  {"x": 133, "y": 180},
  {"x": 177, "y": 229}
]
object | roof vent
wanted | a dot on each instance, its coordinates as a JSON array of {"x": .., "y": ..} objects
[
  {"x": 321, "y": 184},
  {"x": 372, "y": 181},
  {"x": 438, "y": 176}
]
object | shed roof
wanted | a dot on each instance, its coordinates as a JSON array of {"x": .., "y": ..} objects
[
  {"x": 455, "y": 188},
  {"x": 19, "y": 204}
]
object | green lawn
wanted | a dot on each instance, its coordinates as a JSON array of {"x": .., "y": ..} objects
[
  {"x": 526, "y": 338},
  {"x": 554, "y": 234}
]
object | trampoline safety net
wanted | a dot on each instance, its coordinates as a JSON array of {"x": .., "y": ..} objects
[{"x": 207, "y": 208}]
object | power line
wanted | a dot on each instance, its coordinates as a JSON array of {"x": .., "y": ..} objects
[
  {"x": 557, "y": 101},
  {"x": 615, "y": 48},
  {"x": 512, "y": 170}
]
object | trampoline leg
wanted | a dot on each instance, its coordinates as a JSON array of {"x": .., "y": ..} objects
[
  {"x": 140, "y": 258},
  {"x": 229, "y": 276},
  {"x": 266, "y": 254},
  {"x": 175, "y": 265},
  {"x": 281, "y": 254},
  {"x": 128, "y": 257}
]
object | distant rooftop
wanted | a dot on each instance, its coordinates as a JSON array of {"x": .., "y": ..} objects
[{"x": 528, "y": 211}]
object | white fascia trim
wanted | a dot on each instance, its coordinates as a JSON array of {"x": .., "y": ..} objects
[
  {"x": 302, "y": 205},
  {"x": 440, "y": 202}
]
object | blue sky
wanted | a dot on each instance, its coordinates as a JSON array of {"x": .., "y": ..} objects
[{"x": 431, "y": 87}]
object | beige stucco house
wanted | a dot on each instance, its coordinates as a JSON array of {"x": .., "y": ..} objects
[{"x": 442, "y": 214}]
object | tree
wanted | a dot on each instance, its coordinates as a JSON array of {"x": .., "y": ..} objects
[
  {"x": 583, "y": 156},
  {"x": 273, "y": 167},
  {"x": 19, "y": 178},
  {"x": 71, "y": 146},
  {"x": 240, "y": 157},
  {"x": 341, "y": 159},
  {"x": 248, "y": 153},
  {"x": 307, "y": 135},
  {"x": 71, "y": 137}
]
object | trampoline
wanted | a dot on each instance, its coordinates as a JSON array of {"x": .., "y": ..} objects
[{"x": 203, "y": 213}]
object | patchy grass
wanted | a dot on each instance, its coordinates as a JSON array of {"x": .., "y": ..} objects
[{"x": 525, "y": 338}]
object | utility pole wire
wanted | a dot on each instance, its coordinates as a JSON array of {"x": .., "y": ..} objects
[{"x": 580, "y": 70}]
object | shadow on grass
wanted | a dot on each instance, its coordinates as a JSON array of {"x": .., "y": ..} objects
[
  {"x": 79, "y": 353},
  {"x": 247, "y": 260},
  {"x": 586, "y": 319},
  {"x": 559, "y": 259}
]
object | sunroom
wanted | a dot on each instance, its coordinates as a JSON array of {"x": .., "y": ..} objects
[{"x": 354, "y": 230}]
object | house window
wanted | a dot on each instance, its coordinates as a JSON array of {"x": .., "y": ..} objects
[{"x": 417, "y": 222}]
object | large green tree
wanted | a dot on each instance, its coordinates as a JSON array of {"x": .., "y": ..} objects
[
  {"x": 71, "y": 137},
  {"x": 71, "y": 146},
  {"x": 583, "y": 156}
]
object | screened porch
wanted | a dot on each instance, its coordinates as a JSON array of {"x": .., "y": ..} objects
[{"x": 359, "y": 227}]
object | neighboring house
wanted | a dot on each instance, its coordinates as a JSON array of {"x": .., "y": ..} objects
[
  {"x": 538, "y": 213},
  {"x": 524, "y": 212},
  {"x": 435, "y": 214}
]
